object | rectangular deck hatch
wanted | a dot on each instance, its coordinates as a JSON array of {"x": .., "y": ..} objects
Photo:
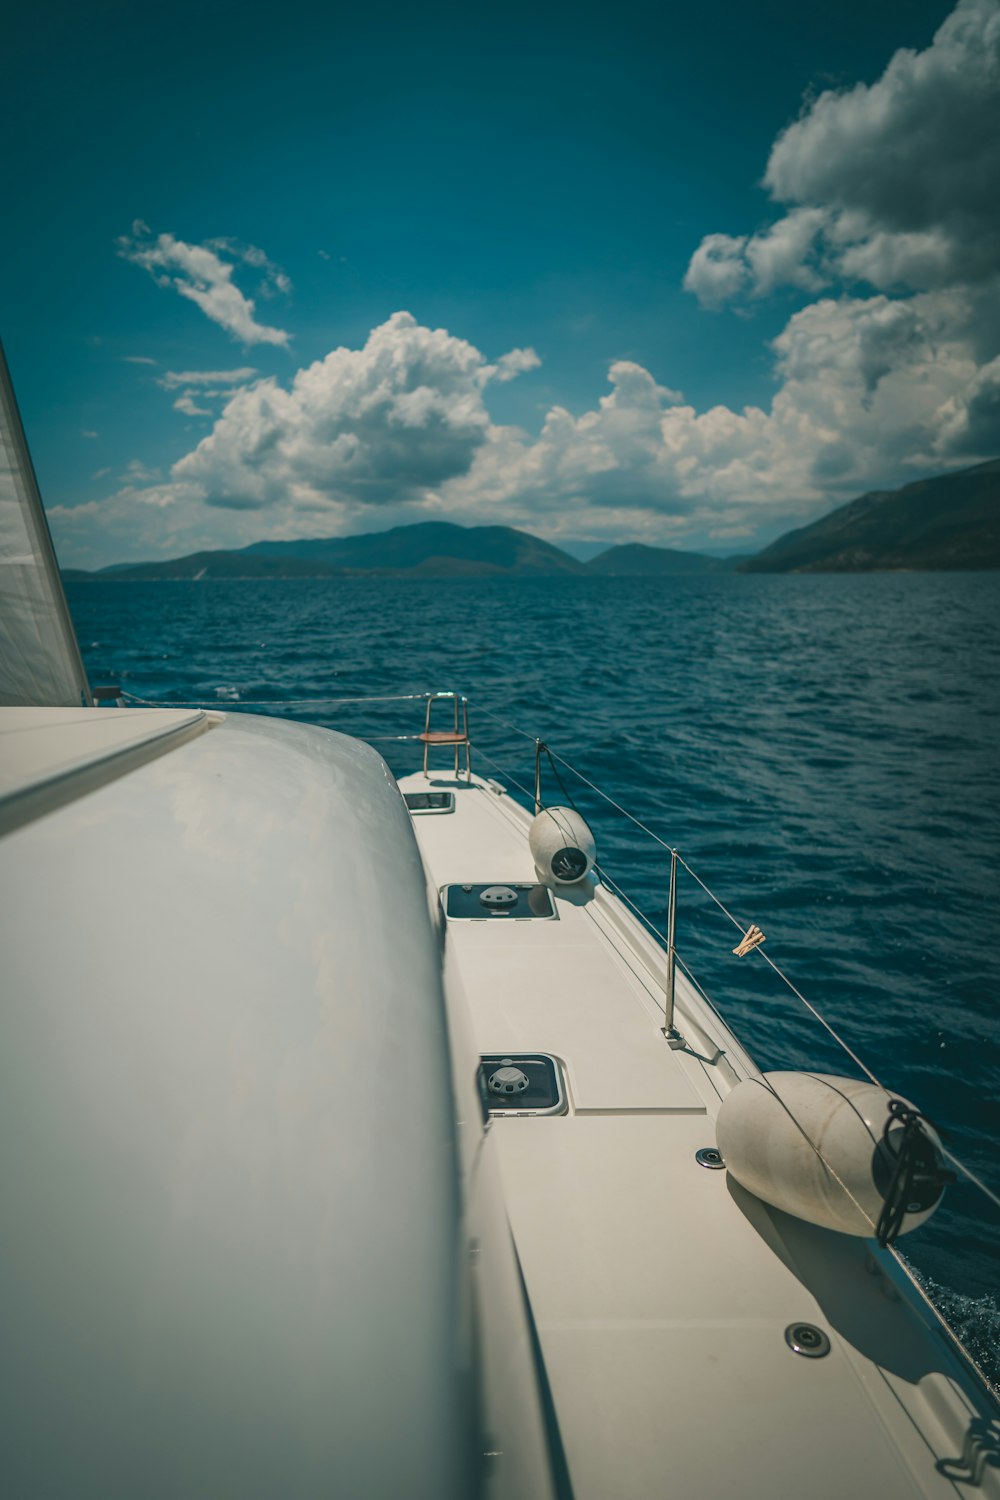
[
  {"x": 498, "y": 901},
  {"x": 521, "y": 1083},
  {"x": 430, "y": 802}
]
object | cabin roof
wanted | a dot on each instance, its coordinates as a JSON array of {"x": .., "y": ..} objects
[{"x": 230, "y": 1261}]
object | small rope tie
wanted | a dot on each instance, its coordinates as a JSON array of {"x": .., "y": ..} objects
[{"x": 751, "y": 939}]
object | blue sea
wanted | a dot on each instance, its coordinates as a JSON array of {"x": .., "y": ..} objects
[{"x": 824, "y": 752}]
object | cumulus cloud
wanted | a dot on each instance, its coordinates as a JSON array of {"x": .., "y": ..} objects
[
  {"x": 891, "y": 183},
  {"x": 892, "y": 211},
  {"x": 394, "y": 420},
  {"x": 870, "y": 392},
  {"x": 785, "y": 253},
  {"x": 865, "y": 386},
  {"x": 725, "y": 265},
  {"x": 970, "y": 420},
  {"x": 912, "y": 160},
  {"x": 718, "y": 269},
  {"x": 204, "y": 275}
]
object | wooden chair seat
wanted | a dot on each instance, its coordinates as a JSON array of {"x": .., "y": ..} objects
[{"x": 456, "y": 736}]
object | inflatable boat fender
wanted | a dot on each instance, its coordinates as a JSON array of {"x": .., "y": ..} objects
[
  {"x": 562, "y": 846},
  {"x": 812, "y": 1144}
]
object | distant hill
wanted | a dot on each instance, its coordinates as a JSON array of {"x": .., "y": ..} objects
[
  {"x": 949, "y": 522},
  {"x": 431, "y": 549},
  {"x": 634, "y": 559}
]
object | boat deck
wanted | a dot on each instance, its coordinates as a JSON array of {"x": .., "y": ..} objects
[{"x": 661, "y": 1291}]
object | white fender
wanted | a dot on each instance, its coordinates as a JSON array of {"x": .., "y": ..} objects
[
  {"x": 562, "y": 846},
  {"x": 769, "y": 1133}
]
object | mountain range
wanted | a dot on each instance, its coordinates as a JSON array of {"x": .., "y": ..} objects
[{"x": 948, "y": 522}]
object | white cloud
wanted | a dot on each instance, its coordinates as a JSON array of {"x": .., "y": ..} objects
[
  {"x": 718, "y": 269},
  {"x": 138, "y": 521},
  {"x": 516, "y": 362},
  {"x": 172, "y": 380},
  {"x": 781, "y": 255},
  {"x": 138, "y": 359},
  {"x": 273, "y": 278},
  {"x": 204, "y": 277},
  {"x": 914, "y": 156},
  {"x": 864, "y": 391},
  {"x": 970, "y": 420},
  {"x": 391, "y": 422},
  {"x": 870, "y": 392},
  {"x": 892, "y": 183},
  {"x": 187, "y": 404}
]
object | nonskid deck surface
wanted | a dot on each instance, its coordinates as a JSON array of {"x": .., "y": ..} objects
[{"x": 662, "y": 1291}]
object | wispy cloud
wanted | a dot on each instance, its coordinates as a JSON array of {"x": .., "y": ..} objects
[
  {"x": 138, "y": 359},
  {"x": 137, "y": 472},
  {"x": 204, "y": 275},
  {"x": 190, "y": 408},
  {"x": 172, "y": 380},
  {"x": 273, "y": 278}
]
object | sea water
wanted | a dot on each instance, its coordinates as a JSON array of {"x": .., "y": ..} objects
[{"x": 824, "y": 751}]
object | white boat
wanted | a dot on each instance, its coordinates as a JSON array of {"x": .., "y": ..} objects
[{"x": 352, "y": 1144}]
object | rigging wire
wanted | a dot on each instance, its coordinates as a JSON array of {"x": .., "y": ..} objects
[{"x": 960, "y": 1166}]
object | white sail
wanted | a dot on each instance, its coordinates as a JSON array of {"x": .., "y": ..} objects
[{"x": 40, "y": 661}]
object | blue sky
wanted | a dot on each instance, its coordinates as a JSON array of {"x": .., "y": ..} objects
[{"x": 687, "y": 277}]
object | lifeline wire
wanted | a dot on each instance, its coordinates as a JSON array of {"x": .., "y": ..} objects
[
  {"x": 512, "y": 779},
  {"x": 949, "y": 1156},
  {"x": 764, "y": 1079},
  {"x": 723, "y": 908},
  {"x": 224, "y": 704}
]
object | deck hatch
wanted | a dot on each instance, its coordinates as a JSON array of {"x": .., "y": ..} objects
[
  {"x": 493, "y": 900},
  {"x": 430, "y": 802},
  {"x": 521, "y": 1083}
]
